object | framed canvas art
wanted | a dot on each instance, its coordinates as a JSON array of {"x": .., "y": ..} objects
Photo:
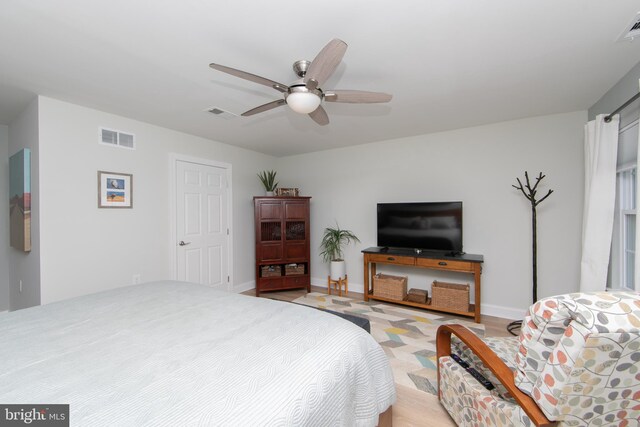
[
  {"x": 20, "y": 200},
  {"x": 115, "y": 190}
]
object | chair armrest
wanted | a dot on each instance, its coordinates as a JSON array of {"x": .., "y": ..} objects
[{"x": 491, "y": 361}]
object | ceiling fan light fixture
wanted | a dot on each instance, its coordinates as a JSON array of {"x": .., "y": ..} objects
[
  {"x": 303, "y": 102},
  {"x": 305, "y": 95}
]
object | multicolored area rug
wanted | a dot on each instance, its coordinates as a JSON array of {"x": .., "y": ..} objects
[{"x": 408, "y": 336}]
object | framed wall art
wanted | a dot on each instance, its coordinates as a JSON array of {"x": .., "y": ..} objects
[
  {"x": 115, "y": 190},
  {"x": 20, "y": 200}
]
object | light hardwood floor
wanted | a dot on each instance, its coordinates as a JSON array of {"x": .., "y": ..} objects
[{"x": 412, "y": 408}]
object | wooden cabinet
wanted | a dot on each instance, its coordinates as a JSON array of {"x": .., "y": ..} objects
[
  {"x": 468, "y": 263},
  {"x": 282, "y": 239}
]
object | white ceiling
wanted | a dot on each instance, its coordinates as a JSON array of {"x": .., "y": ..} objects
[{"x": 449, "y": 64}]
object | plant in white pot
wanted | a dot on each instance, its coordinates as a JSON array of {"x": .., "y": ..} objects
[
  {"x": 268, "y": 179},
  {"x": 332, "y": 242}
]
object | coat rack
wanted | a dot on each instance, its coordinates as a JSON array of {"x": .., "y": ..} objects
[{"x": 530, "y": 192}]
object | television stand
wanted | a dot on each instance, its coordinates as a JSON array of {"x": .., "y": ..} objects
[{"x": 462, "y": 263}]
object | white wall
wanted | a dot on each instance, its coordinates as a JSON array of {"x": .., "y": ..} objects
[
  {"x": 25, "y": 266},
  {"x": 477, "y": 166},
  {"x": 4, "y": 218},
  {"x": 86, "y": 249},
  {"x": 620, "y": 93}
]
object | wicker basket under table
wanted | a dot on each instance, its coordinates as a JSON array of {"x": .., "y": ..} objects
[
  {"x": 391, "y": 287},
  {"x": 417, "y": 295},
  {"x": 453, "y": 296}
]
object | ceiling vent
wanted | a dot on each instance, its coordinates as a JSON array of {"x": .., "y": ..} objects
[
  {"x": 221, "y": 113},
  {"x": 116, "y": 138},
  {"x": 632, "y": 30}
]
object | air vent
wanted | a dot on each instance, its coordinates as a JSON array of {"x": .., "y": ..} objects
[
  {"x": 632, "y": 30},
  {"x": 116, "y": 138},
  {"x": 221, "y": 113}
]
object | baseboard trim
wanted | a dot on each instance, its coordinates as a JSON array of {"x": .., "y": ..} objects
[
  {"x": 243, "y": 287},
  {"x": 501, "y": 311}
]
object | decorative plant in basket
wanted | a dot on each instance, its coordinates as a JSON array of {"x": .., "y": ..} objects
[
  {"x": 332, "y": 242},
  {"x": 268, "y": 179}
]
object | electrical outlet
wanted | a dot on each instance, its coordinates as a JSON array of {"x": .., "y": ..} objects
[
  {"x": 20, "y": 286},
  {"x": 136, "y": 279}
]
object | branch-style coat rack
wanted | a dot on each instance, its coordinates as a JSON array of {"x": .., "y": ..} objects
[{"x": 531, "y": 192}]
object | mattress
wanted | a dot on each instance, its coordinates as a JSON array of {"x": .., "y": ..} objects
[{"x": 173, "y": 353}]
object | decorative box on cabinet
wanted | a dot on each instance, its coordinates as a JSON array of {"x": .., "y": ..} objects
[{"x": 282, "y": 237}]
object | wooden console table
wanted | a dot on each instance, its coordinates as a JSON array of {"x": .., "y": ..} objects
[{"x": 468, "y": 263}]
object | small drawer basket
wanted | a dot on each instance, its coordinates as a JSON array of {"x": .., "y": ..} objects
[
  {"x": 294, "y": 269},
  {"x": 392, "y": 287},
  {"x": 270, "y": 271},
  {"x": 450, "y": 295},
  {"x": 417, "y": 295}
]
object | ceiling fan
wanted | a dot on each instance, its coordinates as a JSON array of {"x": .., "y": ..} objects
[{"x": 305, "y": 95}]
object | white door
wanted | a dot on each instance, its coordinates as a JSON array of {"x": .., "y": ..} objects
[{"x": 202, "y": 240}]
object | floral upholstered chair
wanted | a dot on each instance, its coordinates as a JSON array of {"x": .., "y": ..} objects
[{"x": 575, "y": 363}]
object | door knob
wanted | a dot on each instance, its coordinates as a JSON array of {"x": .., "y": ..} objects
[{"x": 183, "y": 243}]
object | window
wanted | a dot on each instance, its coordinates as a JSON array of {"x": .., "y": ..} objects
[{"x": 625, "y": 226}]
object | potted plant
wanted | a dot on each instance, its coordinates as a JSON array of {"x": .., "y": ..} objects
[
  {"x": 331, "y": 245},
  {"x": 268, "y": 179}
]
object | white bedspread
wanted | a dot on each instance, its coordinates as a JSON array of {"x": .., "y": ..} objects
[{"x": 174, "y": 354}]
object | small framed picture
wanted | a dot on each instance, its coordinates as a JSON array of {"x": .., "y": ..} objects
[
  {"x": 115, "y": 190},
  {"x": 288, "y": 192}
]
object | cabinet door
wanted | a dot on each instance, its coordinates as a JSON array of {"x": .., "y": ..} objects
[
  {"x": 296, "y": 210},
  {"x": 269, "y": 210},
  {"x": 296, "y": 231},
  {"x": 269, "y": 247}
]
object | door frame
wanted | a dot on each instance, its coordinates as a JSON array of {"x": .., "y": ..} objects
[{"x": 173, "y": 204}]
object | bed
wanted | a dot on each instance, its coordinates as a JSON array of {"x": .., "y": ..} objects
[{"x": 173, "y": 353}]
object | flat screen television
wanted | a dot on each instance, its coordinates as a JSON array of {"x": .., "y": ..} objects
[{"x": 431, "y": 226}]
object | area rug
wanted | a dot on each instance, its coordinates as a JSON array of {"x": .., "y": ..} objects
[{"x": 408, "y": 336}]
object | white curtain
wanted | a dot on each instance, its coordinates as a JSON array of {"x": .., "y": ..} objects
[{"x": 600, "y": 152}]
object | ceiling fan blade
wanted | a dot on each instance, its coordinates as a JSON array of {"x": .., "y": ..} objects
[
  {"x": 251, "y": 77},
  {"x": 325, "y": 63},
  {"x": 265, "y": 107},
  {"x": 356, "y": 96},
  {"x": 319, "y": 116}
]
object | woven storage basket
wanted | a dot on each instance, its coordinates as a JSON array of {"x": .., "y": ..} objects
[
  {"x": 450, "y": 295},
  {"x": 270, "y": 270},
  {"x": 294, "y": 269},
  {"x": 392, "y": 287},
  {"x": 417, "y": 295}
]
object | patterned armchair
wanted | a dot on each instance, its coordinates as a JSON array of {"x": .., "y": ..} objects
[{"x": 575, "y": 363}]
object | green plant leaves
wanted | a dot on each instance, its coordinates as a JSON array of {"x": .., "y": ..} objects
[{"x": 268, "y": 179}]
